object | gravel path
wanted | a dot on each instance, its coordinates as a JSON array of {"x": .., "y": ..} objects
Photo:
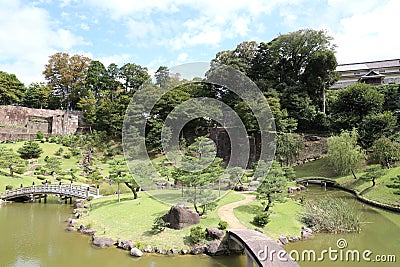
[{"x": 225, "y": 213}]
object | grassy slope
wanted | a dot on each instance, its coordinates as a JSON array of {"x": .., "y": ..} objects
[
  {"x": 380, "y": 192},
  {"x": 283, "y": 220},
  {"x": 133, "y": 219}
]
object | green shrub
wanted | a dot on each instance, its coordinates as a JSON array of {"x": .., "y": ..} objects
[
  {"x": 197, "y": 235},
  {"x": 140, "y": 245},
  {"x": 41, "y": 177},
  {"x": 222, "y": 225},
  {"x": 159, "y": 225},
  {"x": 39, "y": 135},
  {"x": 9, "y": 187},
  {"x": 20, "y": 169},
  {"x": 67, "y": 156},
  {"x": 261, "y": 219},
  {"x": 59, "y": 151},
  {"x": 30, "y": 150}
]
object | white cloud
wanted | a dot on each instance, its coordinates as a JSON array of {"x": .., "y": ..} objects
[
  {"x": 27, "y": 39},
  {"x": 206, "y": 22},
  {"x": 85, "y": 26},
  {"x": 182, "y": 57},
  {"x": 119, "y": 59},
  {"x": 370, "y": 35}
]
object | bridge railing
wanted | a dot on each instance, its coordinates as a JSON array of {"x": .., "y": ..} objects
[{"x": 61, "y": 189}]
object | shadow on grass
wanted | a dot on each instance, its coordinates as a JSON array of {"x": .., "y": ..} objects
[{"x": 112, "y": 202}]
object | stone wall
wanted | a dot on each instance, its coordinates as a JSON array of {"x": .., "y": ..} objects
[{"x": 22, "y": 123}]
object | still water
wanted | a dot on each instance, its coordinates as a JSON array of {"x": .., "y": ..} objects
[
  {"x": 34, "y": 235},
  {"x": 380, "y": 234}
]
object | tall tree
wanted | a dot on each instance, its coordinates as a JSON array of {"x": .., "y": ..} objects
[
  {"x": 66, "y": 75},
  {"x": 285, "y": 59},
  {"x": 162, "y": 76},
  {"x": 385, "y": 152},
  {"x": 88, "y": 106},
  {"x": 319, "y": 75},
  {"x": 344, "y": 155},
  {"x": 240, "y": 58},
  {"x": 288, "y": 148},
  {"x": 11, "y": 89},
  {"x": 374, "y": 126},
  {"x": 353, "y": 104},
  {"x": 296, "y": 67},
  {"x": 133, "y": 76},
  {"x": 37, "y": 95},
  {"x": 96, "y": 79}
]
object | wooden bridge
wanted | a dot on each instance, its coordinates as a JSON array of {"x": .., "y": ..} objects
[
  {"x": 260, "y": 249},
  {"x": 64, "y": 191}
]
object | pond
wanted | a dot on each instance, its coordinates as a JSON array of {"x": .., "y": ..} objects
[
  {"x": 380, "y": 234},
  {"x": 34, "y": 235}
]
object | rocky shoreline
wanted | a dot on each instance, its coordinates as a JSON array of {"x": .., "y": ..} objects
[{"x": 217, "y": 244}]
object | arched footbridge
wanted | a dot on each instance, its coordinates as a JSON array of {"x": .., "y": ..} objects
[
  {"x": 261, "y": 251},
  {"x": 65, "y": 191},
  {"x": 316, "y": 180}
]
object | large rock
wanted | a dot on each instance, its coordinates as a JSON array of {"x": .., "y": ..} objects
[
  {"x": 215, "y": 248},
  {"x": 90, "y": 231},
  {"x": 214, "y": 233},
  {"x": 136, "y": 252},
  {"x": 103, "y": 242},
  {"x": 125, "y": 244},
  {"x": 283, "y": 240},
  {"x": 306, "y": 235},
  {"x": 294, "y": 238},
  {"x": 73, "y": 222},
  {"x": 200, "y": 249},
  {"x": 254, "y": 183},
  {"x": 181, "y": 216},
  {"x": 148, "y": 249}
]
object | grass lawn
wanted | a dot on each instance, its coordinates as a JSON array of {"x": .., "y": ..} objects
[
  {"x": 283, "y": 219},
  {"x": 317, "y": 168},
  {"x": 133, "y": 219}
]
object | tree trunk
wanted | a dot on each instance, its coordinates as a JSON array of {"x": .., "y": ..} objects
[
  {"x": 119, "y": 192},
  {"x": 11, "y": 170},
  {"x": 133, "y": 189},
  {"x": 354, "y": 175},
  {"x": 373, "y": 182},
  {"x": 323, "y": 100},
  {"x": 268, "y": 203}
]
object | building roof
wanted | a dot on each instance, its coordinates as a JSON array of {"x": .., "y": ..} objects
[{"x": 369, "y": 65}]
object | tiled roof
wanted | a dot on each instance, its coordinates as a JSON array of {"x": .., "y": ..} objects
[{"x": 369, "y": 65}]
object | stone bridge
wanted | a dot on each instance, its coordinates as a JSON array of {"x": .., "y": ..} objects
[
  {"x": 316, "y": 180},
  {"x": 31, "y": 193},
  {"x": 260, "y": 249}
]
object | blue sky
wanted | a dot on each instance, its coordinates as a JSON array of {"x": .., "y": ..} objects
[{"x": 171, "y": 32}]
